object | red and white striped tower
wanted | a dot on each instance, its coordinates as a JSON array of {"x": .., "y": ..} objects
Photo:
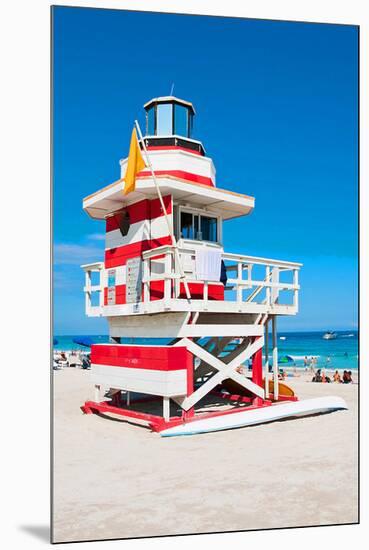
[{"x": 141, "y": 288}]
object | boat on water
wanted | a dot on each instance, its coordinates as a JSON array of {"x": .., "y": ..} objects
[{"x": 329, "y": 335}]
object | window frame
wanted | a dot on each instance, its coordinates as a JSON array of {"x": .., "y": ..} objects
[{"x": 198, "y": 212}]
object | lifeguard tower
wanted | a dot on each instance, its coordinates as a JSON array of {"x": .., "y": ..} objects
[{"x": 204, "y": 313}]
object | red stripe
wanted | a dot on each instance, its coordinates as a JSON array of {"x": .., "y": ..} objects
[
  {"x": 162, "y": 358},
  {"x": 139, "y": 211},
  {"x": 115, "y": 257},
  {"x": 171, "y": 147},
  {"x": 180, "y": 174},
  {"x": 215, "y": 292}
]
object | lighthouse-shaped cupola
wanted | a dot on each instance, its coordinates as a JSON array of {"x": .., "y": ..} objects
[{"x": 169, "y": 122}]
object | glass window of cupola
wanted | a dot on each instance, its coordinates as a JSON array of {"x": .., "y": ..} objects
[
  {"x": 181, "y": 120},
  {"x": 164, "y": 119},
  {"x": 151, "y": 122}
]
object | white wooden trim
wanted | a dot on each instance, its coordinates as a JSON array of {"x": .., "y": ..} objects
[
  {"x": 275, "y": 357},
  {"x": 266, "y": 363},
  {"x": 152, "y": 382},
  {"x": 199, "y": 212},
  {"x": 166, "y": 408}
]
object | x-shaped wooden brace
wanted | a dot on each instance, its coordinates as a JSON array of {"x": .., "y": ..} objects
[{"x": 224, "y": 371}]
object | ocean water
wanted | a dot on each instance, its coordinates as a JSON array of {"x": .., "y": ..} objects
[{"x": 342, "y": 351}]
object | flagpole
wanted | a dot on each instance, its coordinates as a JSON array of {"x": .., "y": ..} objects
[{"x": 174, "y": 241}]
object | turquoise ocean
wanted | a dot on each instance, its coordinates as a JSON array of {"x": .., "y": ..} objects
[{"x": 340, "y": 353}]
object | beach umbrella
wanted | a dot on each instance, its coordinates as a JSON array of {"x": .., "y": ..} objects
[
  {"x": 286, "y": 359},
  {"x": 55, "y": 342},
  {"x": 85, "y": 341}
]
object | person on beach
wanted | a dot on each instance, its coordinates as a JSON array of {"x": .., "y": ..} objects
[
  {"x": 337, "y": 377},
  {"x": 306, "y": 362},
  {"x": 318, "y": 376},
  {"x": 311, "y": 363},
  {"x": 347, "y": 377},
  {"x": 325, "y": 378}
]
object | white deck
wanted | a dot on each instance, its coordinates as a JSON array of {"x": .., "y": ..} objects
[{"x": 254, "y": 285}]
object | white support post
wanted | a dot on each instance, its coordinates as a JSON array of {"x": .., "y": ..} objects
[
  {"x": 97, "y": 393},
  {"x": 275, "y": 357},
  {"x": 275, "y": 287},
  {"x": 128, "y": 398},
  {"x": 177, "y": 282},
  {"x": 239, "y": 282},
  {"x": 266, "y": 364},
  {"x": 146, "y": 277},
  {"x": 166, "y": 408},
  {"x": 296, "y": 292},
  {"x": 267, "y": 290},
  {"x": 101, "y": 285},
  {"x": 206, "y": 295},
  {"x": 88, "y": 291},
  {"x": 167, "y": 273}
]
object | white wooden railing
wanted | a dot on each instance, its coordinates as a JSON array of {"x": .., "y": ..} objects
[
  {"x": 244, "y": 288},
  {"x": 89, "y": 288}
]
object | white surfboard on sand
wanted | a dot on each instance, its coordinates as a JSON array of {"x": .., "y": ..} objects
[{"x": 258, "y": 416}]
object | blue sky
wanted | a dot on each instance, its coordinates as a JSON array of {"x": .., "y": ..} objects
[{"x": 276, "y": 109}]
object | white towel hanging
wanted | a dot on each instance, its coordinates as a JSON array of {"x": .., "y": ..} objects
[{"x": 208, "y": 264}]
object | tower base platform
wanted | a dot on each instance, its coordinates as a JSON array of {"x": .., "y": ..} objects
[{"x": 246, "y": 413}]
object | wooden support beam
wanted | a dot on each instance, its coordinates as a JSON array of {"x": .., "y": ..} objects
[
  {"x": 266, "y": 364},
  {"x": 275, "y": 357},
  {"x": 224, "y": 371},
  {"x": 166, "y": 408}
]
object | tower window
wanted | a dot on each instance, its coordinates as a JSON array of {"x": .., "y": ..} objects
[{"x": 198, "y": 227}]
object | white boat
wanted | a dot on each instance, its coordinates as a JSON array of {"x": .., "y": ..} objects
[
  {"x": 258, "y": 416},
  {"x": 330, "y": 335},
  {"x": 282, "y": 337}
]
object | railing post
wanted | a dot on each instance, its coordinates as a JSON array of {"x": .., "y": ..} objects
[
  {"x": 177, "y": 282},
  {"x": 167, "y": 274},
  {"x": 101, "y": 285},
  {"x": 88, "y": 291},
  {"x": 266, "y": 364},
  {"x": 146, "y": 276},
  {"x": 239, "y": 282},
  {"x": 275, "y": 281},
  {"x": 206, "y": 294},
  {"x": 296, "y": 292},
  {"x": 275, "y": 358},
  {"x": 267, "y": 289}
]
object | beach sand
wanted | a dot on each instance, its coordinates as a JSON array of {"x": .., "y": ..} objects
[{"x": 116, "y": 480}]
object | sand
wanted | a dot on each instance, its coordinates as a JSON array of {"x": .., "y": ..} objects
[{"x": 116, "y": 480}]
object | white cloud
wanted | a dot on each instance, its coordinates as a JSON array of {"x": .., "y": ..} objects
[
  {"x": 76, "y": 254},
  {"x": 96, "y": 236}
]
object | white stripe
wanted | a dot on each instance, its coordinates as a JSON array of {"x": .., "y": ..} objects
[
  {"x": 178, "y": 160},
  {"x": 153, "y": 382},
  {"x": 138, "y": 232}
]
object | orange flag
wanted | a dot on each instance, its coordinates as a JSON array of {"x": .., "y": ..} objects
[{"x": 135, "y": 164}]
